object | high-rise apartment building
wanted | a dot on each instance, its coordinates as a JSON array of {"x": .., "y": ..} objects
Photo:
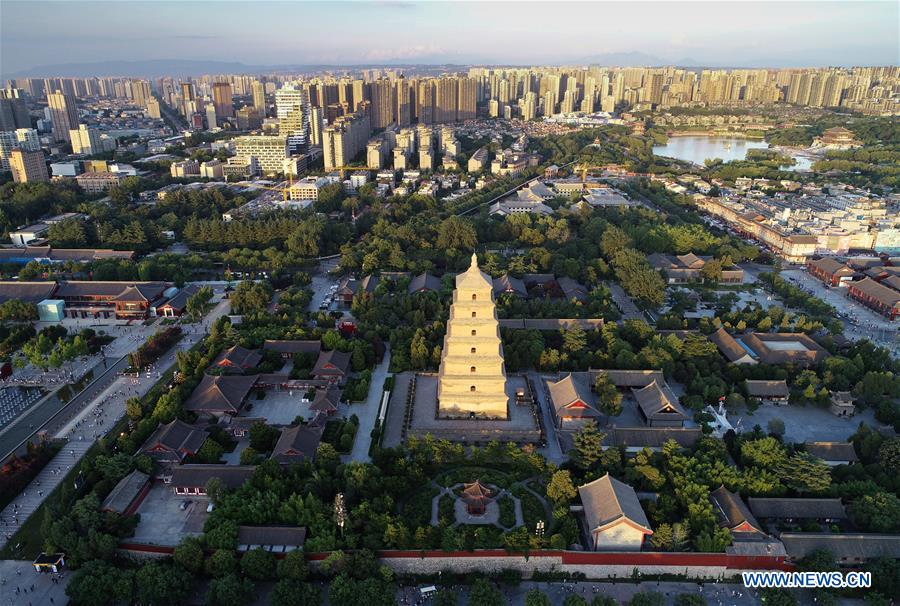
[
  {"x": 382, "y": 109},
  {"x": 344, "y": 139},
  {"x": 28, "y": 166},
  {"x": 22, "y": 138},
  {"x": 63, "y": 114},
  {"x": 153, "y": 109},
  {"x": 222, "y": 100},
  {"x": 188, "y": 99},
  {"x": 259, "y": 98},
  {"x": 13, "y": 111},
  {"x": 88, "y": 141}
]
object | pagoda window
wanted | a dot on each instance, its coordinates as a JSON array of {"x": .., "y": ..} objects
[
  {"x": 474, "y": 314},
  {"x": 474, "y": 296},
  {"x": 471, "y": 388},
  {"x": 472, "y": 369}
]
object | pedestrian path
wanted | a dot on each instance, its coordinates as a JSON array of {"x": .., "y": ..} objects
[{"x": 27, "y": 502}]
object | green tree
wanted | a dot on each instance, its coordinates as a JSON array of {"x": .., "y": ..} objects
[
  {"x": 221, "y": 563},
  {"x": 879, "y": 512},
  {"x": 189, "y": 554},
  {"x": 775, "y": 426},
  {"x": 609, "y": 399},
  {"x": 647, "y": 598},
  {"x": 291, "y": 592},
  {"x": 536, "y": 597},
  {"x": 573, "y": 599},
  {"x": 560, "y": 489},
  {"x": 99, "y": 583},
  {"x": 456, "y": 233},
  {"x": 229, "y": 590},
  {"x": 197, "y": 302},
  {"x": 574, "y": 339},
  {"x": 804, "y": 473},
  {"x": 293, "y": 566},
  {"x": 258, "y": 564},
  {"x": 210, "y": 452},
  {"x": 889, "y": 456},
  {"x": 263, "y": 437},
  {"x": 588, "y": 445},
  {"x": 161, "y": 584},
  {"x": 68, "y": 233},
  {"x": 484, "y": 593}
]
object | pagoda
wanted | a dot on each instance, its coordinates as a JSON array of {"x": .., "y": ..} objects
[{"x": 472, "y": 377}]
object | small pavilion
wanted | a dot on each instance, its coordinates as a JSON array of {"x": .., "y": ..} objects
[{"x": 476, "y": 497}]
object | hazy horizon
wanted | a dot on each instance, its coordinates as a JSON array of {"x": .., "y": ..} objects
[{"x": 42, "y": 33}]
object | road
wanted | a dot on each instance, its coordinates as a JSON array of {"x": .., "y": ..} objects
[
  {"x": 553, "y": 452},
  {"x": 321, "y": 283},
  {"x": 104, "y": 406},
  {"x": 368, "y": 411}
]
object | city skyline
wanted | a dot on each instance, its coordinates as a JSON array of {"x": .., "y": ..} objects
[{"x": 86, "y": 35}]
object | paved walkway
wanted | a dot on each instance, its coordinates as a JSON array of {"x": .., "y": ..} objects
[
  {"x": 367, "y": 411},
  {"x": 714, "y": 594},
  {"x": 33, "y": 588},
  {"x": 96, "y": 418},
  {"x": 553, "y": 451}
]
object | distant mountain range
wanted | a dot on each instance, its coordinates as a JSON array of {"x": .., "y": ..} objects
[{"x": 189, "y": 67}]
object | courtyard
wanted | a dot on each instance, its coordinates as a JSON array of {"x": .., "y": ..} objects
[
  {"x": 164, "y": 522},
  {"x": 804, "y": 423}
]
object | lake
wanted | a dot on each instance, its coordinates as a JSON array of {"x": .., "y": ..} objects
[{"x": 696, "y": 149}]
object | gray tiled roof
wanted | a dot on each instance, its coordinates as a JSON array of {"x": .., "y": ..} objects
[
  {"x": 607, "y": 500},
  {"x": 781, "y": 508}
]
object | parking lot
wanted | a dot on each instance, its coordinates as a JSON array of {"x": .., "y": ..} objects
[{"x": 165, "y": 520}]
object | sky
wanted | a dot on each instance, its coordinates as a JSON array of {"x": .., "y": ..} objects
[{"x": 721, "y": 33}]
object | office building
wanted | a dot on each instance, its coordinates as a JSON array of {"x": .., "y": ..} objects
[
  {"x": 99, "y": 182},
  {"x": 63, "y": 114},
  {"x": 269, "y": 151},
  {"x": 28, "y": 166},
  {"x": 293, "y": 112}
]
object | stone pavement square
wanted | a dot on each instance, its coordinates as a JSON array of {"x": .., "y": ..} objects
[{"x": 163, "y": 522}]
